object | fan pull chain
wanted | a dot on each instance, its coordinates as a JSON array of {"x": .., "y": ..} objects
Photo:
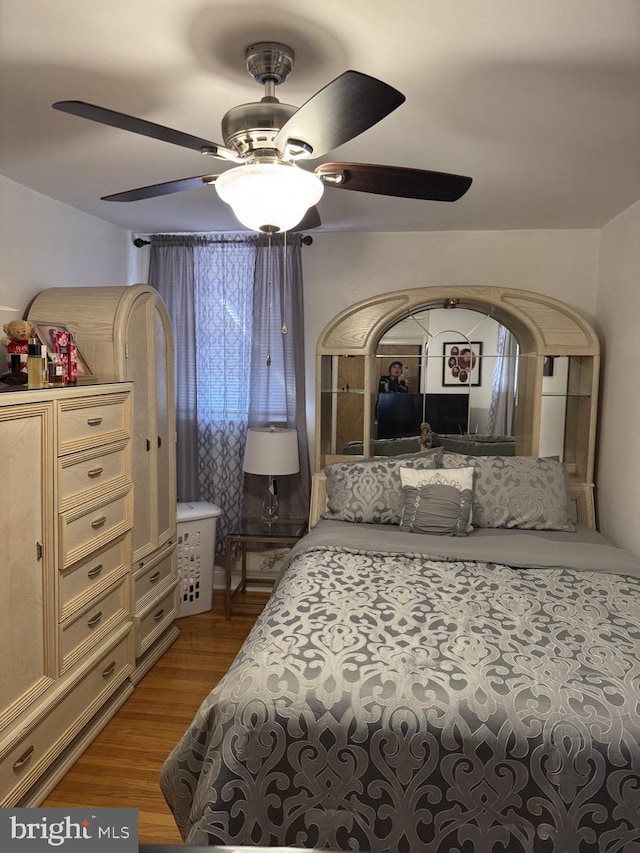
[
  {"x": 283, "y": 294},
  {"x": 269, "y": 289}
]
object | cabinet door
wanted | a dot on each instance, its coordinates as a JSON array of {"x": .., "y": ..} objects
[
  {"x": 27, "y": 617},
  {"x": 165, "y": 492},
  {"x": 140, "y": 370}
]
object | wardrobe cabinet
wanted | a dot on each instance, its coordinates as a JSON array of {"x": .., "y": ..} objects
[
  {"x": 125, "y": 333},
  {"x": 67, "y": 649}
]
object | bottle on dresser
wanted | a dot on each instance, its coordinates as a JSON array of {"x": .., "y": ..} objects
[{"x": 35, "y": 369}]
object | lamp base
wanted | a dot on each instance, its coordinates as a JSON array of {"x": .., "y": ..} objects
[{"x": 270, "y": 502}]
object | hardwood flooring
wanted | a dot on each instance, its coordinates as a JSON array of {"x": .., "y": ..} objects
[{"x": 122, "y": 765}]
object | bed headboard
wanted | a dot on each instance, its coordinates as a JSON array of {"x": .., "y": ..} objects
[
  {"x": 556, "y": 412},
  {"x": 582, "y": 510}
]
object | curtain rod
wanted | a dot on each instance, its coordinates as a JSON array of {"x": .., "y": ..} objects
[{"x": 138, "y": 242}]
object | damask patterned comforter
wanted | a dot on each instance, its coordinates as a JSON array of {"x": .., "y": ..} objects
[{"x": 392, "y": 701}]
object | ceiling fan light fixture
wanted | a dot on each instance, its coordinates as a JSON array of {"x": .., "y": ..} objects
[{"x": 269, "y": 196}]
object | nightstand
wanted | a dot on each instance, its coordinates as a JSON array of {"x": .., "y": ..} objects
[{"x": 254, "y": 531}]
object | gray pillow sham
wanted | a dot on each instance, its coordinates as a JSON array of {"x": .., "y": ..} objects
[
  {"x": 527, "y": 492},
  {"x": 370, "y": 490}
]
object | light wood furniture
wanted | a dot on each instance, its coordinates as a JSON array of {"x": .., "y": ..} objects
[
  {"x": 543, "y": 327},
  {"x": 125, "y": 333},
  {"x": 67, "y": 641}
]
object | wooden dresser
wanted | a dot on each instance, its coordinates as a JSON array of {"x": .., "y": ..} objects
[
  {"x": 125, "y": 333},
  {"x": 67, "y": 650}
]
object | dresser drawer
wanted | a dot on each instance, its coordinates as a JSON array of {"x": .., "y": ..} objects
[
  {"x": 92, "y": 421},
  {"x": 152, "y": 580},
  {"x": 155, "y": 619},
  {"x": 84, "y": 631},
  {"x": 23, "y": 761},
  {"x": 80, "y": 474},
  {"x": 84, "y": 530},
  {"x": 87, "y": 578}
]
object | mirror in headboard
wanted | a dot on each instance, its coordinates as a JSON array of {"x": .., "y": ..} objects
[
  {"x": 492, "y": 370},
  {"x": 457, "y": 372}
]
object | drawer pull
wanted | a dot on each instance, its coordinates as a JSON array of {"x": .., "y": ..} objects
[
  {"x": 95, "y": 571},
  {"x": 91, "y": 623},
  {"x": 39, "y": 550},
  {"x": 108, "y": 670},
  {"x": 24, "y": 758},
  {"x": 148, "y": 444},
  {"x": 159, "y": 441},
  {"x": 158, "y": 616},
  {"x": 94, "y": 421},
  {"x": 98, "y": 522},
  {"x": 95, "y": 472},
  {"x": 154, "y": 577}
]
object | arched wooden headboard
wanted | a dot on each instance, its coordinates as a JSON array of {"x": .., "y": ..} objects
[{"x": 542, "y": 325}]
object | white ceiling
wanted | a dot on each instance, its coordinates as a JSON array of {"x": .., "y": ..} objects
[{"x": 537, "y": 100}]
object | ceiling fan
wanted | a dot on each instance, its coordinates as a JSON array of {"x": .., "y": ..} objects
[{"x": 265, "y": 140}]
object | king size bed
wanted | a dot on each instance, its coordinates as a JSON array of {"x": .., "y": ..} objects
[{"x": 406, "y": 690}]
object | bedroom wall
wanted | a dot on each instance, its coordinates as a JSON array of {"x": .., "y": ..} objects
[
  {"x": 618, "y": 319},
  {"x": 47, "y": 244},
  {"x": 340, "y": 269}
]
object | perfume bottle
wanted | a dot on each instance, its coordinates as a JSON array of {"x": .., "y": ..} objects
[
  {"x": 55, "y": 371},
  {"x": 35, "y": 373},
  {"x": 14, "y": 376}
]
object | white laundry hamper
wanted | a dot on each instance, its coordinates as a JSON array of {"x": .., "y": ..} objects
[{"x": 196, "y": 523}]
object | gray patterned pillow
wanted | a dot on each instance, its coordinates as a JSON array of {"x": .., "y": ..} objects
[
  {"x": 528, "y": 492},
  {"x": 438, "y": 502},
  {"x": 370, "y": 490}
]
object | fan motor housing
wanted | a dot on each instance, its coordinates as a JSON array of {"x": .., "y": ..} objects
[{"x": 253, "y": 127}]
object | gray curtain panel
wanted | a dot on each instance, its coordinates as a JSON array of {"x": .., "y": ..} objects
[
  {"x": 171, "y": 273},
  {"x": 224, "y": 319},
  {"x": 234, "y": 301},
  {"x": 502, "y": 407},
  {"x": 277, "y": 392}
]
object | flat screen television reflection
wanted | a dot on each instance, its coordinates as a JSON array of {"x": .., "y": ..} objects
[{"x": 400, "y": 415}]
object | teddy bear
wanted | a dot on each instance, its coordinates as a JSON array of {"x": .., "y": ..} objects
[{"x": 18, "y": 333}]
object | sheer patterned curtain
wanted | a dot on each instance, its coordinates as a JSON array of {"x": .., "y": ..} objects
[
  {"x": 277, "y": 393},
  {"x": 228, "y": 297},
  {"x": 224, "y": 318},
  {"x": 502, "y": 407}
]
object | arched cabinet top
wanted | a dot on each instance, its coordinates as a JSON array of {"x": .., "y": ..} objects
[{"x": 541, "y": 324}]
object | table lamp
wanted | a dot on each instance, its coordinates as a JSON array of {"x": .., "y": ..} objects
[{"x": 272, "y": 451}]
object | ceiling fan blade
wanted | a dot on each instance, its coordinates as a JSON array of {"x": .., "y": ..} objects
[
  {"x": 311, "y": 219},
  {"x": 166, "y": 188},
  {"x": 341, "y": 110},
  {"x": 145, "y": 128},
  {"x": 394, "y": 181}
]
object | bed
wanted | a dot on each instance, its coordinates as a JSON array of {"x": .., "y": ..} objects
[{"x": 409, "y": 690}]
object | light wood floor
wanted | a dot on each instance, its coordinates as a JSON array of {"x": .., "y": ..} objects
[{"x": 122, "y": 765}]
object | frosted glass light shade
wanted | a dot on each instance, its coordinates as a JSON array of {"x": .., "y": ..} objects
[
  {"x": 271, "y": 451},
  {"x": 269, "y": 196}
]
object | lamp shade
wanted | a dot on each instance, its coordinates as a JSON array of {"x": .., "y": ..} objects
[
  {"x": 271, "y": 451},
  {"x": 269, "y": 196}
]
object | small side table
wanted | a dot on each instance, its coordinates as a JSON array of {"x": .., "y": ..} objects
[{"x": 283, "y": 531}]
